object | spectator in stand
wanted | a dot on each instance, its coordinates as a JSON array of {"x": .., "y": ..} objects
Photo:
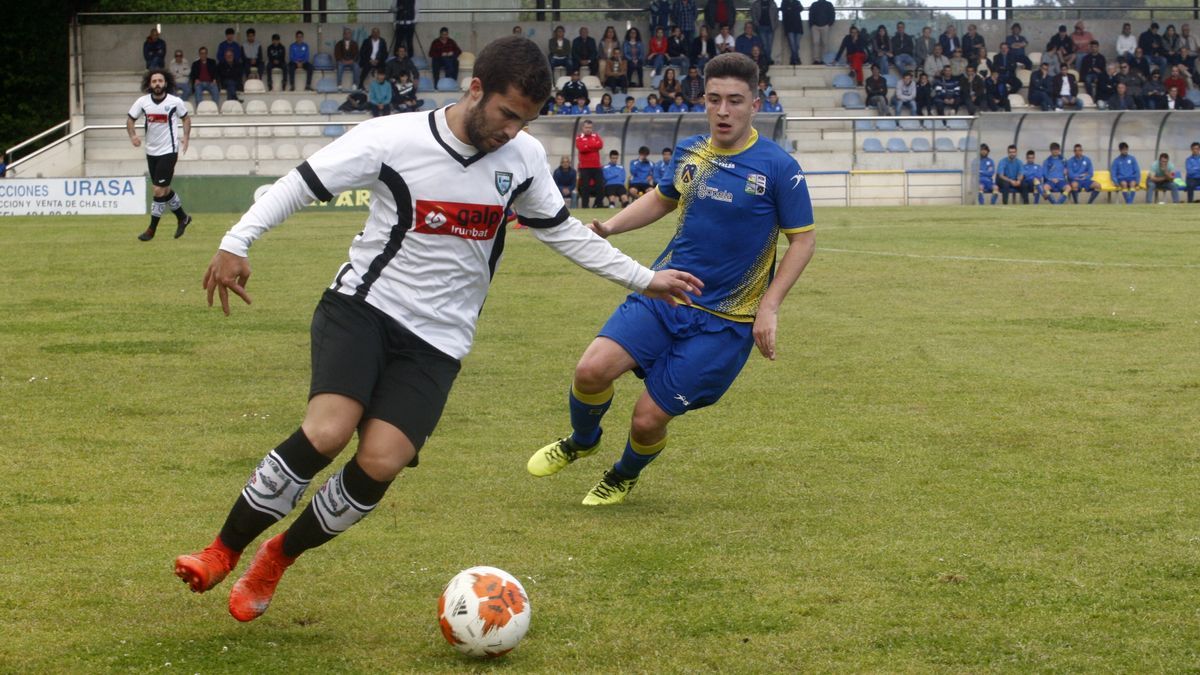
[
  {"x": 404, "y": 22},
  {"x": 652, "y": 104},
  {"x": 902, "y": 49},
  {"x": 793, "y": 27},
  {"x": 958, "y": 63},
  {"x": 584, "y": 53},
  {"x": 972, "y": 42},
  {"x": 379, "y": 95},
  {"x": 1061, "y": 42},
  {"x": 725, "y": 40},
  {"x": 1016, "y": 46},
  {"x": 345, "y": 55},
  {"x": 855, "y": 49},
  {"x": 668, "y": 86},
  {"x": 876, "y": 91},
  {"x": 639, "y": 174},
  {"x": 765, "y": 15},
  {"x": 1177, "y": 102},
  {"x": 1154, "y": 94},
  {"x": 923, "y": 48},
  {"x": 703, "y": 48},
  {"x": 605, "y": 106},
  {"x": 252, "y": 55},
  {"x": 574, "y": 87},
  {"x": 635, "y": 56},
  {"x": 1121, "y": 100},
  {"x": 1152, "y": 47},
  {"x": 581, "y": 106},
  {"x": 1054, "y": 176},
  {"x": 764, "y": 87},
  {"x": 1126, "y": 42},
  {"x": 443, "y": 56},
  {"x": 935, "y": 62},
  {"x": 679, "y": 105},
  {"x": 656, "y": 53},
  {"x": 821, "y": 17},
  {"x": 881, "y": 48},
  {"x": 404, "y": 92},
  {"x": 660, "y": 15},
  {"x": 692, "y": 87},
  {"x": 924, "y": 95},
  {"x": 947, "y": 92},
  {"x": 1082, "y": 40},
  {"x": 1126, "y": 174},
  {"x": 1187, "y": 60},
  {"x": 276, "y": 58},
  {"x": 559, "y": 105},
  {"x": 1177, "y": 79},
  {"x": 906, "y": 95},
  {"x": 1031, "y": 182},
  {"x": 230, "y": 45},
  {"x": 974, "y": 91},
  {"x": 772, "y": 105},
  {"x": 1005, "y": 63},
  {"x": 980, "y": 60},
  {"x": 591, "y": 179},
  {"x": 1106, "y": 86},
  {"x": 996, "y": 89},
  {"x": 630, "y": 106},
  {"x": 614, "y": 181},
  {"x": 1040, "y": 87},
  {"x": 1162, "y": 178},
  {"x": 1081, "y": 173},
  {"x": 987, "y": 175},
  {"x": 614, "y": 72},
  {"x": 229, "y": 74},
  {"x": 400, "y": 63},
  {"x": 716, "y": 13},
  {"x": 677, "y": 48},
  {"x": 608, "y": 41},
  {"x": 1172, "y": 43},
  {"x": 181, "y": 72},
  {"x": 203, "y": 77},
  {"x": 1192, "y": 173},
  {"x": 1065, "y": 91},
  {"x": 1009, "y": 177},
  {"x": 1093, "y": 68},
  {"x": 949, "y": 40},
  {"x": 154, "y": 50},
  {"x": 759, "y": 57},
  {"x": 565, "y": 179},
  {"x": 298, "y": 59},
  {"x": 685, "y": 17},
  {"x": 1192, "y": 42},
  {"x": 559, "y": 49},
  {"x": 1140, "y": 62},
  {"x": 1134, "y": 83}
]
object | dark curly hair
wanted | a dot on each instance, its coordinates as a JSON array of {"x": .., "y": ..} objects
[
  {"x": 513, "y": 61},
  {"x": 170, "y": 88}
]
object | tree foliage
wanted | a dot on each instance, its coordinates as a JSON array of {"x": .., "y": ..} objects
[{"x": 912, "y": 12}]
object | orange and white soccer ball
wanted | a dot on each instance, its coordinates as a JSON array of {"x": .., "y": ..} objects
[{"x": 484, "y": 612}]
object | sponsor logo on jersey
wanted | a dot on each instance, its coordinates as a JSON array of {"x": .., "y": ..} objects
[
  {"x": 466, "y": 221},
  {"x": 157, "y": 118},
  {"x": 688, "y": 173},
  {"x": 724, "y": 164},
  {"x": 503, "y": 182},
  {"x": 797, "y": 179},
  {"x": 682, "y": 399},
  {"x": 756, "y": 184},
  {"x": 706, "y": 191}
]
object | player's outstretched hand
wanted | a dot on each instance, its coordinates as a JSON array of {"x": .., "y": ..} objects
[
  {"x": 599, "y": 228},
  {"x": 764, "y": 332},
  {"x": 227, "y": 272},
  {"x": 673, "y": 286}
]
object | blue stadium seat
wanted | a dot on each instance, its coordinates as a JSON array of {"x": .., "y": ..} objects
[
  {"x": 944, "y": 144},
  {"x": 921, "y": 144},
  {"x": 852, "y": 101},
  {"x": 910, "y": 125},
  {"x": 830, "y": 58},
  {"x": 872, "y": 145},
  {"x": 420, "y": 62},
  {"x": 654, "y": 80},
  {"x": 843, "y": 81},
  {"x": 896, "y": 145},
  {"x": 329, "y": 107},
  {"x": 428, "y": 104},
  {"x": 864, "y": 125},
  {"x": 447, "y": 84},
  {"x": 640, "y": 103},
  {"x": 424, "y": 84},
  {"x": 885, "y": 124},
  {"x": 891, "y": 80},
  {"x": 961, "y": 125},
  {"x": 323, "y": 62},
  {"x": 333, "y": 130},
  {"x": 968, "y": 143},
  {"x": 1193, "y": 95},
  {"x": 326, "y": 85}
]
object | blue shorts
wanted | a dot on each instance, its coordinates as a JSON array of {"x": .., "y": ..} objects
[
  {"x": 1056, "y": 184},
  {"x": 986, "y": 185},
  {"x": 687, "y": 357}
]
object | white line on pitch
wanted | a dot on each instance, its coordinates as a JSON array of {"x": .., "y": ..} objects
[{"x": 1027, "y": 261}]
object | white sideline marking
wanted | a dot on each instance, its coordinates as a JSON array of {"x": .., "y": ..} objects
[{"x": 1027, "y": 261}]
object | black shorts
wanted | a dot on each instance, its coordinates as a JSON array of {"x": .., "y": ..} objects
[
  {"x": 360, "y": 352},
  {"x": 162, "y": 168},
  {"x": 614, "y": 190},
  {"x": 640, "y": 187}
]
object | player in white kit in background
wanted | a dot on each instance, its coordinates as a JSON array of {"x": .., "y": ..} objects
[
  {"x": 167, "y": 129},
  {"x": 400, "y": 314}
]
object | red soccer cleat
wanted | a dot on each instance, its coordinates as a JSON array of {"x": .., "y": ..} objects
[
  {"x": 252, "y": 594},
  {"x": 201, "y": 571}
]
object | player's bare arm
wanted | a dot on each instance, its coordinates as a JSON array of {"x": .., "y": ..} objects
[
  {"x": 647, "y": 209},
  {"x": 799, "y": 252},
  {"x": 227, "y": 272},
  {"x": 133, "y": 137},
  {"x": 187, "y": 133}
]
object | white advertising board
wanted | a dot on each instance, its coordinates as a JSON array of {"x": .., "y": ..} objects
[{"x": 73, "y": 196}]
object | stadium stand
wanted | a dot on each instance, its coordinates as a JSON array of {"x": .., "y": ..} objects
[
  {"x": 326, "y": 85},
  {"x": 256, "y": 107},
  {"x": 921, "y": 144},
  {"x": 328, "y": 107},
  {"x": 232, "y": 107},
  {"x": 281, "y": 106},
  {"x": 305, "y": 106},
  {"x": 873, "y": 145}
]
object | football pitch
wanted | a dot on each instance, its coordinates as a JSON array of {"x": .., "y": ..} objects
[{"x": 979, "y": 450}]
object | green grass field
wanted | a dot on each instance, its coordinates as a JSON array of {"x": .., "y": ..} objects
[{"x": 978, "y": 451}]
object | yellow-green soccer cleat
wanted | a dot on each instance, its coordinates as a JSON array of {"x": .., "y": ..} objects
[
  {"x": 552, "y": 458},
  {"x": 612, "y": 489}
]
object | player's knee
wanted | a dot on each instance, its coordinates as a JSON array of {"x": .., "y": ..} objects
[
  {"x": 384, "y": 462},
  {"x": 592, "y": 374},
  {"x": 648, "y": 427},
  {"x": 329, "y": 437}
]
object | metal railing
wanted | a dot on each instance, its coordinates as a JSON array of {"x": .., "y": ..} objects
[{"x": 8, "y": 154}]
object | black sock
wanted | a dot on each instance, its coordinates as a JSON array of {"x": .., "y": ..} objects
[
  {"x": 344, "y": 500},
  {"x": 245, "y": 523}
]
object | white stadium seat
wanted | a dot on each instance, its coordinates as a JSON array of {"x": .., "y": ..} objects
[
  {"x": 466, "y": 60},
  {"x": 234, "y": 132},
  {"x": 210, "y": 153},
  {"x": 237, "y": 151},
  {"x": 206, "y": 132},
  {"x": 310, "y": 130},
  {"x": 256, "y": 107},
  {"x": 286, "y": 151},
  {"x": 253, "y": 86},
  {"x": 232, "y": 107},
  {"x": 206, "y": 107},
  {"x": 592, "y": 82},
  {"x": 265, "y": 151},
  {"x": 305, "y": 106},
  {"x": 281, "y": 106},
  {"x": 283, "y": 132},
  {"x": 192, "y": 153},
  {"x": 190, "y": 108},
  {"x": 311, "y": 149}
]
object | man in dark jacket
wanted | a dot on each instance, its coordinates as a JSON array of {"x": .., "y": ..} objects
[
  {"x": 372, "y": 55},
  {"x": 1093, "y": 68},
  {"x": 902, "y": 49},
  {"x": 583, "y": 52},
  {"x": 1065, "y": 92},
  {"x": 974, "y": 91},
  {"x": 820, "y": 19},
  {"x": 1039, "y": 88},
  {"x": 793, "y": 27},
  {"x": 204, "y": 77},
  {"x": 1121, "y": 100}
]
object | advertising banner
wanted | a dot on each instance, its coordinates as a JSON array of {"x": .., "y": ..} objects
[{"x": 123, "y": 195}]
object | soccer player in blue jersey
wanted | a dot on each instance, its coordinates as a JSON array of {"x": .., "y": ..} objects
[
  {"x": 1191, "y": 171},
  {"x": 736, "y": 194},
  {"x": 1126, "y": 174},
  {"x": 1054, "y": 176},
  {"x": 1009, "y": 178},
  {"x": 614, "y": 181},
  {"x": 987, "y": 174},
  {"x": 639, "y": 173},
  {"x": 662, "y": 168},
  {"x": 1081, "y": 174},
  {"x": 1032, "y": 181}
]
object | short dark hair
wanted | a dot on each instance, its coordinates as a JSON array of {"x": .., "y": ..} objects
[
  {"x": 614, "y": 153},
  {"x": 736, "y": 66},
  {"x": 1055, "y": 146},
  {"x": 1030, "y": 153},
  {"x": 1077, "y": 147},
  {"x": 1164, "y": 156},
  {"x": 1123, "y": 146},
  {"x": 643, "y": 150},
  {"x": 984, "y": 146},
  {"x": 170, "y": 88},
  {"x": 250, "y": 31},
  {"x": 230, "y": 31},
  {"x": 1195, "y": 145},
  {"x": 274, "y": 36},
  {"x": 513, "y": 61},
  {"x": 1012, "y": 147},
  {"x": 670, "y": 150}
]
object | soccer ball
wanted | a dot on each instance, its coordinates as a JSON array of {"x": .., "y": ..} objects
[{"x": 484, "y": 612}]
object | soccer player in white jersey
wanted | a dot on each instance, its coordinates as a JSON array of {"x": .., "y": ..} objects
[
  {"x": 389, "y": 332},
  {"x": 736, "y": 193},
  {"x": 167, "y": 129}
]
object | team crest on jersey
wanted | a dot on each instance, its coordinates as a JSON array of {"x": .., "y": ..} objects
[
  {"x": 756, "y": 184},
  {"x": 689, "y": 172},
  {"x": 503, "y": 182}
]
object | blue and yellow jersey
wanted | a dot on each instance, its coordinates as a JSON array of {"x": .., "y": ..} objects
[{"x": 732, "y": 207}]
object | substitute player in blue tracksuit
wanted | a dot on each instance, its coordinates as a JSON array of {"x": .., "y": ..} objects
[
  {"x": 662, "y": 168},
  {"x": 987, "y": 174},
  {"x": 1126, "y": 174},
  {"x": 1192, "y": 171},
  {"x": 1031, "y": 180},
  {"x": 640, "y": 171},
  {"x": 1054, "y": 176},
  {"x": 1081, "y": 173}
]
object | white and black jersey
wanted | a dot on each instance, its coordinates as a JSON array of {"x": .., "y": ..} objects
[
  {"x": 164, "y": 122},
  {"x": 436, "y": 227}
]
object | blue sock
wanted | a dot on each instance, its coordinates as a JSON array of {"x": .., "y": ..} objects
[
  {"x": 981, "y": 199},
  {"x": 636, "y": 457},
  {"x": 586, "y": 412},
  {"x": 1093, "y": 197},
  {"x": 994, "y": 197},
  {"x": 1075, "y": 197}
]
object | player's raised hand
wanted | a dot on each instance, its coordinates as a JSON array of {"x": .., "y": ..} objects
[
  {"x": 764, "y": 332},
  {"x": 227, "y": 272},
  {"x": 673, "y": 286}
]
